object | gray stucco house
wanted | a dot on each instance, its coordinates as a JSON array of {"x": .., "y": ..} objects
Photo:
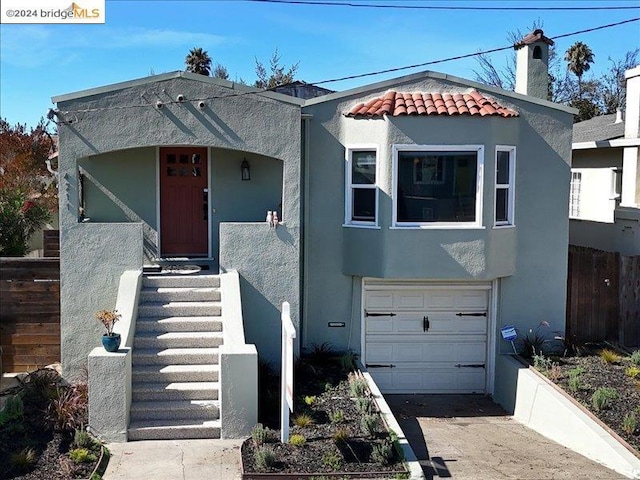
[{"x": 418, "y": 215}]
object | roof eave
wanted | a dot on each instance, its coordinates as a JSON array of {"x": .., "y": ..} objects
[
  {"x": 241, "y": 88},
  {"x": 358, "y": 91}
]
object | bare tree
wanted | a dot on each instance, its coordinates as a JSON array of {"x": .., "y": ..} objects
[
  {"x": 277, "y": 74},
  {"x": 614, "y": 85}
]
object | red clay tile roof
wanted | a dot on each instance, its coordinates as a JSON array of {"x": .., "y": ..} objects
[
  {"x": 535, "y": 36},
  {"x": 396, "y": 104}
]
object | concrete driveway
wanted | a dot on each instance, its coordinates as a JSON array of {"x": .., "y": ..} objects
[{"x": 468, "y": 437}]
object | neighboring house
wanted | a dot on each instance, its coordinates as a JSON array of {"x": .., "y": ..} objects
[
  {"x": 419, "y": 214},
  {"x": 604, "y": 202}
]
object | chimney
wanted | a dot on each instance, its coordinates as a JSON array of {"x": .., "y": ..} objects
[
  {"x": 632, "y": 110},
  {"x": 532, "y": 65}
]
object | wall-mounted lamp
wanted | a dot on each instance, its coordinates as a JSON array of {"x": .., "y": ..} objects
[{"x": 245, "y": 170}]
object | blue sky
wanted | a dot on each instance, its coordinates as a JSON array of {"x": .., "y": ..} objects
[{"x": 140, "y": 38}]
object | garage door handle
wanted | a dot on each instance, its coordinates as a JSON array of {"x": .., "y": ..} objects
[
  {"x": 375, "y": 365},
  {"x": 367, "y": 314},
  {"x": 425, "y": 324},
  {"x": 478, "y": 314},
  {"x": 473, "y": 365}
]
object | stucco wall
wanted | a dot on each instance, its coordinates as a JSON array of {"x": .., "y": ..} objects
[
  {"x": 530, "y": 258},
  {"x": 233, "y": 118}
]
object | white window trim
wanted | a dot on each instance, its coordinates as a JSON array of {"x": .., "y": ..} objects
[
  {"x": 348, "y": 203},
  {"x": 479, "y": 149},
  {"x": 511, "y": 186}
]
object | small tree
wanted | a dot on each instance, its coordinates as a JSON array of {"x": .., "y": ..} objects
[
  {"x": 277, "y": 75},
  {"x": 198, "y": 61},
  {"x": 20, "y": 218}
]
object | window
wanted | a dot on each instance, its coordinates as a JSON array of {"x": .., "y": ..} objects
[
  {"x": 505, "y": 185},
  {"x": 438, "y": 185},
  {"x": 574, "y": 194},
  {"x": 362, "y": 192}
]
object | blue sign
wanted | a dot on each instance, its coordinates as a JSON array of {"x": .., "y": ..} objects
[{"x": 509, "y": 333}]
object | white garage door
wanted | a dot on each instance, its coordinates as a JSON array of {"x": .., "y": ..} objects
[{"x": 426, "y": 339}]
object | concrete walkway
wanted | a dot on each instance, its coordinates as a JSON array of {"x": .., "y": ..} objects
[
  {"x": 174, "y": 460},
  {"x": 468, "y": 437}
]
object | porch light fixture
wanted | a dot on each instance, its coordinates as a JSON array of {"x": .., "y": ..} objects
[{"x": 245, "y": 170}]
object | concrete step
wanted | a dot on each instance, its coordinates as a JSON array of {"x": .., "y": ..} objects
[
  {"x": 174, "y": 391},
  {"x": 161, "y": 341},
  {"x": 179, "y": 309},
  {"x": 180, "y": 280},
  {"x": 175, "y": 373},
  {"x": 175, "y": 356},
  {"x": 179, "y": 409},
  {"x": 172, "y": 430},
  {"x": 179, "y": 324},
  {"x": 192, "y": 294}
]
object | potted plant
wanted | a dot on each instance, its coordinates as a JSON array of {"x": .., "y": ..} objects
[{"x": 110, "y": 340}]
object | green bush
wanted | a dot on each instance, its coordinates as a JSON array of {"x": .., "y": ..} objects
[
  {"x": 309, "y": 400},
  {"x": 265, "y": 457},
  {"x": 630, "y": 423},
  {"x": 383, "y": 452},
  {"x": 340, "y": 436},
  {"x": 82, "y": 439},
  {"x": 369, "y": 425},
  {"x": 20, "y": 218},
  {"x": 82, "y": 455},
  {"x": 336, "y": 416},
  {"x": 303, "y": 420},
  {"x": 602, "y": 397},
  {"x": 261, "y": 434},
  {"x": 297, "y": 440},
  {"x": 357, "y": 386},
  {"x": 24, "y": 459},
  {"x": 332, "y": 460},
  {"x": 364, "y": 405},
  {"x": 13, "y": 409},
  {"x": 635, "y": 357}
]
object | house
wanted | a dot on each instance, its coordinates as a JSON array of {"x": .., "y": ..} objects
[
  {"x": 418, "y": 215},
  {"x": 604, "y": 205}
]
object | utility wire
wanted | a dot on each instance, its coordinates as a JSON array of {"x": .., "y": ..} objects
[
  {"x": 442, "y": 7},
  {"x": 350, "y": 77},
  {"x": 459, "y": 57}
]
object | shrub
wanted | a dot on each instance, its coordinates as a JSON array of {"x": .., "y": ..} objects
[
  {"x": 82, "y": 439},
  {"x": 348, "y": 361},
  {"x": 629, "y": 423},
  {"x": 369, "y": 425},
  {"x": 40, "y": 386},
  {"x": 82, "y": 455},
  {"x": 574, "y": 383},
  {"x": 309, "y": 400},
  {"x": 364, "y": 405},
  {"x": 303, "y": 420},
  {"x": 20, "y": 218},
  {"x": 602, "y": 397},
  {"x": 575, "y": 372},
  {"x": 534, "y": 341},
  {"x": 632, "y": 371},
  {"x": 383, "y": 452},
  {"x": 357, "y": 386},
  {"x": 261, "y": 435},
  {"x": 635, "y": 358},
  {"x": 609, "y": 356},
  {"x": 265, "y": 457},
  {"x": 542, "y": 363},
  {"x": 13, "y": 409},
  {"x": 336, "y": 416},
  {"x": 332, "y": 460},
  {"x": 24, "y": 459},
  {"x": 69, "y": 410},
  {"x": 554, "y": 373},
  {"x": 297, "y": 440},
  {"x": 341, "y": 435}
]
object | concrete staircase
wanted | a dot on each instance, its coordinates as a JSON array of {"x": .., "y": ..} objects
[{"x": 175, "y": 371}]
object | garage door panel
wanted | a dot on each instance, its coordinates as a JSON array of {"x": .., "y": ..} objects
[{"x": 450, "y": 357}]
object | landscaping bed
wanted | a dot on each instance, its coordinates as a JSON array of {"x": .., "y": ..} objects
[
  {"x": 42, "y": 433},
  {"x": 336, "y": 428},
  {"x": 605, "y": 381}
]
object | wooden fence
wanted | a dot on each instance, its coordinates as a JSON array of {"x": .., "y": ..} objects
[
  {"x": 603, "y": 296},
  {"x": 29, "y": 313},
  {"x": 51, "y": 243}
]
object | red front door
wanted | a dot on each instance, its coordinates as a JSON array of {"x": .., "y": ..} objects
[{"x": 184, "y": 210}]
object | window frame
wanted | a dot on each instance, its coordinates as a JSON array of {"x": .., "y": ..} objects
[
  {"x": 510, "y": 187},
  {"x": 350, "y": 187},
  {"x": 575, "y": 193},
  {"x": 479, "y": 151}
]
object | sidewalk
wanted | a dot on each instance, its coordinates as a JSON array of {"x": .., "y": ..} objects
[{"x": 175, "y": 460}]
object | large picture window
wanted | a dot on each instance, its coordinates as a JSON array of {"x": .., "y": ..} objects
[
  {"x": 362, "y": 193},
  {"x": 438, "y": 185}
]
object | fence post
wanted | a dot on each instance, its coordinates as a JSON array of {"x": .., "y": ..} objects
[{"x": 286, "y": 379}]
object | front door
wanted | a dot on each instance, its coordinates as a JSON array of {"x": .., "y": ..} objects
[{"x": 184, "y": 210}]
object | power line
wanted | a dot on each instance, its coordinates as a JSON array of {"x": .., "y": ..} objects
[
  {"x": 459, "y": 57},
  {"x": 350, "y": 77},
  {"x": 442, "y": 7}
]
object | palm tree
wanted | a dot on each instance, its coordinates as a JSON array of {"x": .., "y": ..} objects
[
  {"x": 579, "y": 58},
  {"x": 198, "y": 61}
]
